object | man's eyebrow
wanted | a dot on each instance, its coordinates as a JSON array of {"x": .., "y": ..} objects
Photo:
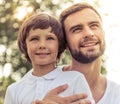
[
  {"x": 92, "y": 22},
  {"x": 79, "y": 25}
]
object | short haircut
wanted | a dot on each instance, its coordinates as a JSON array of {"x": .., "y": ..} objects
[{"x": 42, "y": 21}]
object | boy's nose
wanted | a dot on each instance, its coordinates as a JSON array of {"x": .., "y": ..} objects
[{"x": 42, "y": 45}]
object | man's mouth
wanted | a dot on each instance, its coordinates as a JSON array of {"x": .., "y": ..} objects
[{"x": 89, "y": 43}]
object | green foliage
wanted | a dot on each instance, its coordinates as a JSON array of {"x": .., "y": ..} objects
[
  {"x": 4, "y": 82},
  {"x": 9, "y": 26},
  {"x": 103, "y": 69}
]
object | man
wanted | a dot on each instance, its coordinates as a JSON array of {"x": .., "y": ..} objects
[{"x": 84, "y": 33}]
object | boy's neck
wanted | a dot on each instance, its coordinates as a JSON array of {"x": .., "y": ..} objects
[{"x": 42, "y": 70}]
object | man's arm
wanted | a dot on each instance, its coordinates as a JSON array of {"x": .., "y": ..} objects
[{"x": 53, "y": 98}]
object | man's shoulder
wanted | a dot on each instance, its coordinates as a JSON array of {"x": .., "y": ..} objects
[
  {"x": 112, "y": 85},
  {"x": 113, "y": 88},
  {"x": 112, "y": 93}
]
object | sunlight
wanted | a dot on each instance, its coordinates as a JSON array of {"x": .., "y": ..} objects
[
  {"x": 55, "y": 1},
  {"x": 22, "y": 11},
  {"x": 38, "y": 1},
  {"x": 2, "y": 49},
  {"x": 1, "y": 72},
  {"x": 25, "y": 3},
  {"x": 7, "y": 69},
  {"x": 1, "y": 1},
  {"x": 111, "y": 22}
]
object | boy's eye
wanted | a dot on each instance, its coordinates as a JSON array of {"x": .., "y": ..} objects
[
  {"x": 50, "y": 38},
  {"x": 33, "y": 39}
]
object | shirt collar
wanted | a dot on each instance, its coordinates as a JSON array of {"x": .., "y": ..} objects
[
  {"x": 29, "y": 77},
  {"x": 53, "y": 74}
]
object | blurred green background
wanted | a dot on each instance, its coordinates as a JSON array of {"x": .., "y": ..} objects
[{"x": 12, "y": 14}]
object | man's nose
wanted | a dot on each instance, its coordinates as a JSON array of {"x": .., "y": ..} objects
[{"x": 88, "y": 32}]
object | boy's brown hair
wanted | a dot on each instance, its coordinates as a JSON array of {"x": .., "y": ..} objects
[{"x": 42, "y": 21}]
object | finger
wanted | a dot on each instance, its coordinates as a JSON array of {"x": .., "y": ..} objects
[
  {"x": 49, "y": 102},
  {"x": 76, "y": 97},
  {"x": 58, "y": 89},
  {"x": 82, "y": 102},
  {"x": 33, "y": 103},
  {"x": 37, "y": 102}
]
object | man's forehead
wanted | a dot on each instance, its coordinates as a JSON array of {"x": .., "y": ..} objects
[{"x": 85, "y": 15}]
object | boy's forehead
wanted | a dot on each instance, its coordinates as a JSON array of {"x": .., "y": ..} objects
[{"x": 42, "y": 28}]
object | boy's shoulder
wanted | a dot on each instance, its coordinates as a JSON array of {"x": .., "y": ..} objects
[{"x": 21, "y": 82}]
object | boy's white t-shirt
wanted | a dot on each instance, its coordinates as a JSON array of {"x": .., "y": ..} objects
[
  {"x": 31, "y": 87},
  {"x": 112, "y": 94}
]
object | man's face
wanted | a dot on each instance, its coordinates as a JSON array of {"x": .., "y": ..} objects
[{"x": 85, "y": 35}]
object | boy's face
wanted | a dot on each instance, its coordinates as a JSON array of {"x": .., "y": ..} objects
[
  {"x": 42, "y": 47},
  {"x": 85, "y": 35}
]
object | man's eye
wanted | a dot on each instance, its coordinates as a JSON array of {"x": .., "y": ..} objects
[
  {"x": 76, "y": 29},
  {"x": 94, "y": 26}
]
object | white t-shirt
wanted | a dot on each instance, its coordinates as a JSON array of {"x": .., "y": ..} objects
[
  {"x": 112, "y": 94},
  {"x": 31, "y": 87}
]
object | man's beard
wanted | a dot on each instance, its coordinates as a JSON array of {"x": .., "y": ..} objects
[{"x": 86, "y": 58}]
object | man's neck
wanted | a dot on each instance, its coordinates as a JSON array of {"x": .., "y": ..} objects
[{"x": 91, "y": 71}]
